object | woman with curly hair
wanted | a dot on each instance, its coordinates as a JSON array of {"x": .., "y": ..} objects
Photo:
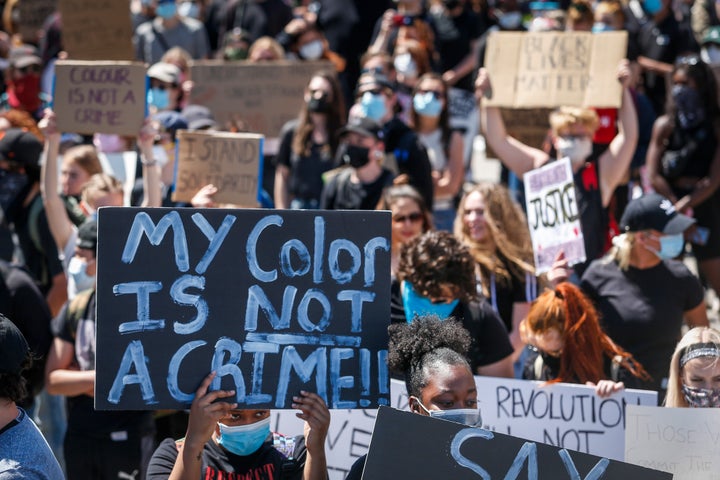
[
  {"x": 436, "y": 276},
  {"x": 570, "y": 346},
  {"x": 694, "y": 379},
  {"x": 494, "y": 228},
  {"x": 430, "y": 353},
  {"x": 308, "y": 144}
]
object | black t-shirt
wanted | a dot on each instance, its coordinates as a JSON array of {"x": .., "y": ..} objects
[
  {"x": 662, "y": 42},
  {"x": 505, "y": 294},
  {"x": 340, "y": 193},
  {"x": 82, "y": 417},
  {"x": 305, "y": 181},
  {"x": 453, "y": 36},
  {"x": 490, "y": 341},
  {"x": 593, "y": 215},
  {"x": 642, "y": 310},
  {"x": 266, "y": 464}
]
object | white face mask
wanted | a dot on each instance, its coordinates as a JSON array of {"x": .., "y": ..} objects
[
  {"x": 312, "y": 50},
  {"x": 510, "y": 20},
  {"x": 577, "y": 149},
  {"x": 405, "y": 64},
  {"x": 464, "y": 416},
  {"x": 77, "y": 270},
  {"x": 710, "y": 54}
]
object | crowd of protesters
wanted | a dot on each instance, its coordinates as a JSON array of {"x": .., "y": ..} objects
[{"x": 390, "y": 124}]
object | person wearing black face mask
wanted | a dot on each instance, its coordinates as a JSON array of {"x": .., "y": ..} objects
[
  {"x": 308, "y": 145},
  {"x": 360, "y": 183}
]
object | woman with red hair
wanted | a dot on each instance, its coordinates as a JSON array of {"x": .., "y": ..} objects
[{"x": 570, "y": 346}]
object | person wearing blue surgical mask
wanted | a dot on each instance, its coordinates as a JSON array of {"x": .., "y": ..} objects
[
  {"x": 223, "y": 441},
  {"x": 165, "y": 92},
  {"x": 639, "y": 288},
  {"x": 445, "y": 147},
  {"x": 431, "y": 354}
]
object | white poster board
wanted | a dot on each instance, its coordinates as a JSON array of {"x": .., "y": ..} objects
[
  {"x": 121, "y": 165},
  {"x": 563, "y": 415},
  {"x": 682, "y": 441},
  {"x": 553, "y": 215}
]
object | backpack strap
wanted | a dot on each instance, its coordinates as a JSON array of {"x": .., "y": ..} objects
[{"x": 77, "y": 309}]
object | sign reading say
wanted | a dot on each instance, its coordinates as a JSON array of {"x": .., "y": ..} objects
[
  {"x": 273, "y": 301},
  {"x": 552, "y": 213},
  {"x": 551, "y": 69},
  {"x": 100, "y": 97},
  {"x": 229, "y": 161}
]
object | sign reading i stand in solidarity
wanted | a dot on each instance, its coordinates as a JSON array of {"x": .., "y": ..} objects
[
  {"x": 408, "y": 445},
  {"x": 100, "y": 97},
  {"x": 273, "y": 301},
  {"x": 552, "y": 214}
]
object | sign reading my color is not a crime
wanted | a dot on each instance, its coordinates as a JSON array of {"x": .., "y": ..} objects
[{"x": 273, "y": 301}]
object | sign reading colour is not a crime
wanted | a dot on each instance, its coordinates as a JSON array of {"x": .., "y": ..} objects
[{"x": 273, "y": 301}]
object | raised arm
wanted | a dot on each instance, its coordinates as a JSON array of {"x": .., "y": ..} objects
[
  {"x": 515, "y": 155},
  {"x": 152, "y": 185},
  {"x": 317, "y": 422},
  {"x": 60, "y": 224},
  {"x": 615, "y": 161}
]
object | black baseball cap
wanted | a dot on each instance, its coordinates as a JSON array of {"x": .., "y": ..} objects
[
  {"x": 18, "y": 145},
  {"x": 13, "y": 347},
  {"x": 654, "y": 212},
  {"x": 365, "y": 126},
  {"x": 87, "y": 235}
]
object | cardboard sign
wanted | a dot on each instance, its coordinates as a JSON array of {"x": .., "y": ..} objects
[
  {"x": 260, "y": 96},
  {"x": 123, "y": 166},
  {"x": 31, "y": 17},
  {"x": 551, "y": 69},
  {"x": 230, "y": 161},
  {"x": 408, "y": 445},
  {"x": 682, "y": 441},
  {"x": 562, "y": 415},
  {"x": 97, "y": 30},
  {"x": 273, "y": 301},
  {"x": 552, "y": 214},
  {"x": 100, "y": 97}
]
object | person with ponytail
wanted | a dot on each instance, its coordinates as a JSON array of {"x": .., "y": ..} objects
[
  {"x": 431, "y": 355},
  {"x": 694, "y": 378},
  {"x": 563, "y": 329},
  {"x": 308, "y": 144}
]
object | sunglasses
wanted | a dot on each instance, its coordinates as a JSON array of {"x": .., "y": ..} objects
[
  {"x": 412, "y": 217},
  {"x": 162, "y": 86}
]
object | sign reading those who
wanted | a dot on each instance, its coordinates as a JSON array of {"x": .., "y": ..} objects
[
  {"x": 273, "y": 301},
  {"x": 408, "y": 445},
  {"x": 97, "y": 30},
  {"x": 551, "y": 69},
  {"x": 261, "y": 96},
  {"x": 552, "y": 214},
  {"x": 100, "y": 97},
  {"x": 682, "y": 441},
  {"x": 230, "y": 161},
  {"x": 562, "y": 415}
]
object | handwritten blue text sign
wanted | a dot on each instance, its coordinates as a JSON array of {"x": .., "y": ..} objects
[{"x": 273, "y": 301}]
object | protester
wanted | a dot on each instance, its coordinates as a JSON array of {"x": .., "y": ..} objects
[
  {"x": 641, "y": 293},
  {"x": 79, "y": 163},
  {"x": 694, "y": 378},
  {"x": 569, "y": 346},
  {"x": 436, "y": 275},
  {"x": 308, "y": 144},
  {"x": 410, "y": 62},
  {"x": 22, "y": 82},
  {"x": 223, "y": 441},
  {"x": 431, "y": 121},
  {"x": 431, "y": 354},
  {"x": 359, "y": 186},
  {"x": 596, "y": 174},
  {"x": 24, "y": 453},
  {"x": 165, "y": 92},
  {"x": 683, "y": 161}
]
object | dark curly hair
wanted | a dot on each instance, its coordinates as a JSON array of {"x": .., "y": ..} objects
[
  {"x": 13, "y": 386},
  {"x": 418, "y": 349},
  {"x": 436, "y": 258}
]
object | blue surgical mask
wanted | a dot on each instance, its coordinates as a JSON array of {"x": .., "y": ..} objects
[
  {"x": 373, "y": 106},
  {"x": 244, "y": 440},
  {"x": 600, "y": 27},
  {"x": 670, "y": 246},
  {"x": 464, "y": 416},
  {"x": 189, "y": 9},
  {"x": 427, "y": 104},
  {"x": 166, "y": 10},
  {"x": 652, "y": 6},
  {"x": 417, "y": 305},
  {"x": 77, "y": 270},
  {"x": 159, "y": 98}
]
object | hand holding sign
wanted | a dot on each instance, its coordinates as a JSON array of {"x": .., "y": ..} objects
[
  {"x": 205, "y": 413},
  {"x": 317, "y": 420}
]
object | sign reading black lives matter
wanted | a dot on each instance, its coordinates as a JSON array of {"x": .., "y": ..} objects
[
  {"x": 273, "y": 301},
  {"x": 408, "y": 445}
]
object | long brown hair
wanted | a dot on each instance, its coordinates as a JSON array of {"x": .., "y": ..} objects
[
  {"x": 444, "y": 120},
  {"x": 569, "y": 311},
  {"x": 335, "y": 116}
]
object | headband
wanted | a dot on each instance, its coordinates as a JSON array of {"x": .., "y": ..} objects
[{"x": 698, "y": 350}]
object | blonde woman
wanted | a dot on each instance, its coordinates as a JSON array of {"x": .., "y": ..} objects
[{"x": 694, "y": 379}]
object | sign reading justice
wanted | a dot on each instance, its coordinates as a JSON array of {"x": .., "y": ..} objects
[{"x": 273, "y": 301}]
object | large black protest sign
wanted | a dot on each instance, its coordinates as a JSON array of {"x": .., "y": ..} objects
[
  {"x": 408, "y": 445},
  {"x": 273, "y": 301}
]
